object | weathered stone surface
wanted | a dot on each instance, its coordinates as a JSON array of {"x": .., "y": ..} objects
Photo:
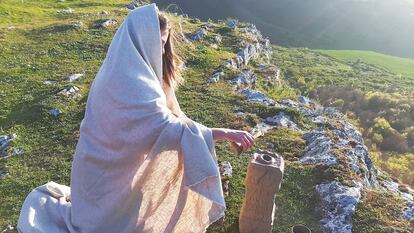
[
  {"x": 215, "y": 76},
  {"x": 338, "y": 204},
  {"x": 198, "y": 35},
  {"x": 49, "y": 82},
  {"x": 388, "y": 185},
  {"x": 77, "y": 25},
  {"x": 304, "y": 100},
  {"x": 320, "y": 120},
  {"x": 5, "y": 142},
  {"x": 214, "y": 46},
  {"x": 107, "y": 23},
  {"x": 134, "y": 4},
  {"x": 217, "y": 39},
  {"x": 282, "y": 120},
  {"x": 290, "y": 103},
  {"x": 232, "y": 24},
  {"x": 70, "y": 91},
  {"x": 226, "y": 169},
  {"x": 256, "y": 96},
  {"x": 4, "y": 174},
  {"x": 208, "y": 25},
  {"x": 318, "y": 149},
  {"x": 55, "y": 112},
  {"x": 346, "y": 138},
  {"x": 66, "y": 11},
  {"x": 74, "y": 77},
  {"x": 9, "y": 229},
  {"x": 245, "y": 78}
]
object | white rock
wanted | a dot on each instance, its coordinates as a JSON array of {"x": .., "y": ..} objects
[
  {"x": 198, "y": 35},
  {"x": 70, "y": 91},
  {"x": 109, "y": 22},
  {"x": 245, "y": 78},
  {"x": 5, "y": 142},
  {"x": 226, "y": 169},
  {"x": 73, "y": 77},
  {"x": 256, "y": 96},
  {"x": 49, "y": 82},
  {"x": 282, "y": 120},
  {"x": 338, "y": 203},
  {"x": 232, "y": 24},
  {"x": 68, "y": 11},
  {"x": 55, "y": 112}
]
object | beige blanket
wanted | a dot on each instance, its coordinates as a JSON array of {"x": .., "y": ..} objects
[{"x": 137, "y": 167}]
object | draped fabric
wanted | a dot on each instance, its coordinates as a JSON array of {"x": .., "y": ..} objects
[{"x": 139, "y": 166}]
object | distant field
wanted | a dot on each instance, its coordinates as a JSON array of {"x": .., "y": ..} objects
[{"x": 398, "y": 65}]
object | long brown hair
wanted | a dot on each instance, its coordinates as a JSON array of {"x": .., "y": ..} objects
[{"x": 171, "y": 62}]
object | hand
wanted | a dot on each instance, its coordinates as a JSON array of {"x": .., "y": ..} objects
[{"x": 243, "y": 139}]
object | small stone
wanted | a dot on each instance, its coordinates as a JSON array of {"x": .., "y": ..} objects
[
  {"x": 217, "y": 39},
  {"x": 226, "y": 187},
  {"x": 207, "y": 25},
  {"x": 134, "y": 4},
  {"x": 78, "y": 25},
  {"x": 4, "y": 174},
  {"x": 231, "y": 24},
  {"x": 73, "y": 77},
  {"x": 270, "y": 145},
  {"x": 55, "y": 112},
  {"x": 304, "y": 100},
  {"x": 290, "y": 103},
  {"x": 18, "y": 151},
  {"x": 49, "y": 82},
  {"x": 5, "y": 142},
  {"x": 68, "y": 11},
  {"x": 70, "y": 91},
  {"x": 9, "y": 229},
  {"x": 107, "y": 23},
  {"x": 256, "y": 96},
  {"x": 231, "y": 63},
  {"x": 215, "y": 77},
  {"x": 262, "y": 66},
  {"x": 198, "y": 35},
  {"x": 245, "y": 78},
  {"x": 226, "y": 169},
  {"x": 282, "y": 120},
  {"x": 103, "y": 13}
]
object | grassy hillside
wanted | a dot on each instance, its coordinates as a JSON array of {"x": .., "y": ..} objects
[
  {"x": 380, "y": 100},
  {"x": 56, "y": 45},
  {"x": 397, "y": 65}
]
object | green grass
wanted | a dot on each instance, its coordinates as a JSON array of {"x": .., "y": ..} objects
[{"x": 397, "y": 65}]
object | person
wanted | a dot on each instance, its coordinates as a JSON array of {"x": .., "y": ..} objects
[
  {"x": 170, "y": 72},
  {"x": 140, "y": 164}
]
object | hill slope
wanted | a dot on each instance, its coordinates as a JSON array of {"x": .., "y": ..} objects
[
  {"x": 377, "y": 25},
  {"x": 232, "y": 80},
  {"x": 400, "y": 66}
]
